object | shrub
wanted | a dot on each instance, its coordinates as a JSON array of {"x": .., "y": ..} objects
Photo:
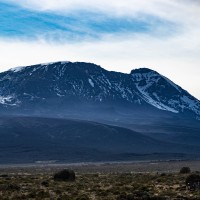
[
  {"x": 45, "y": 183},
  {"x": 193, "y": 182},
  {"x": 13, "y": 187},
  {"x": 65, "y": 175},
  {"x": 4, "y": 176},
  {"x": 185, "y": 170},
  {"x": 163, "y": 174}
]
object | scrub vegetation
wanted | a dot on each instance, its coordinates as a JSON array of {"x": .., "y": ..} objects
[{"x": 33, "y": 184}]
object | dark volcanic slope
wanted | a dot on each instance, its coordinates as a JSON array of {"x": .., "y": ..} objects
[{"x": 27, "y": 139}]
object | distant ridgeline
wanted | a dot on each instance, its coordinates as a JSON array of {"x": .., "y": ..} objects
[{"x": 66, "y": 88}]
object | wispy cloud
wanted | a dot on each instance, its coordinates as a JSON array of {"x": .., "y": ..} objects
[
  {"x": 16, "y": 21},
  {"x": 81, "y": 20}
]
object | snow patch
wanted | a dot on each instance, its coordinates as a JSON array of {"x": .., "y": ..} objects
[
  {"x": 156, "y": 96},
  {"x": 45, "y": 64},
  {"x": 188, "y": 101},
  {"x": 91, "y": 82},
  {"x": 154, "y": 103},
  {"x": 191, "y": 104},
  {"x": 17, "y": 69},
  {"x": 149, "y": 76},
  {"x": 34, "y": 69},
  {"x": 8, "y": 100},
  {"x": 51, "y": 63},
  {"x": 64, "y": 62},
  {"x": 3, "y": 99}
]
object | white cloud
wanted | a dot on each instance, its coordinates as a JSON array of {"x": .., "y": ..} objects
[{"x": 183, "y": 14}]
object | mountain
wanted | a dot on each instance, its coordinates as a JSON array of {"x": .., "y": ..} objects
[
  {"x": 162, "y": 93},
  {"x": 87, "y": 90},
  {"x": 77, "y": 112},
  {"x": 35, "y": 140}
]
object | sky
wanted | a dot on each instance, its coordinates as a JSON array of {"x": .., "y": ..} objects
[{"x": 119, "y": 35}]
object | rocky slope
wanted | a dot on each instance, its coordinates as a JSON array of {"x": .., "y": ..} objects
[{"x": 66, "y": 87}]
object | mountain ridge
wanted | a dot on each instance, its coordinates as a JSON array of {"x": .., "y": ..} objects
[
  {"x": 34, "y": 139},
  {"x": 86, "y": 83}
]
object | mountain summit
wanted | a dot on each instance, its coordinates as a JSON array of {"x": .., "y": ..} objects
[{"x": 66, "y": 87}]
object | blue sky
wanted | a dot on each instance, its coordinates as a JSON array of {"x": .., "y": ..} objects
[
  {"x": 118, "y": 34},
  {"x": 18, "y": 22}
]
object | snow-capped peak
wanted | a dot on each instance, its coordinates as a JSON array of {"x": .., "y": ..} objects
[
  {"x": 91, "y": 83},
  {"x": 162, "y": 93},
  {"x": 51, "y": 63},
  {"x": 20, "y": 68},
  {"x": 17, "y": 69}
]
